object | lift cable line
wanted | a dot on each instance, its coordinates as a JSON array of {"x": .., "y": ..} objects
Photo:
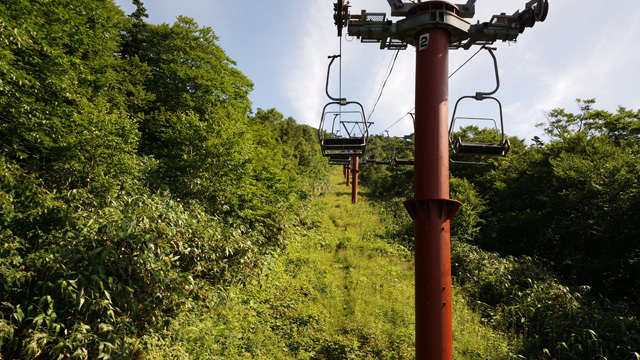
[
  {"x": 343, "y": 148},
  {"x": 382, "y": 68},
  {"x": 397, "y": 121},
  {"x": 434, "y": 28},
  {"x": 465, "y": 63},
  {"x": 453, "y": 73},
  {"x": 339, "y": 71},
  {"x": 393, "y": 64}
]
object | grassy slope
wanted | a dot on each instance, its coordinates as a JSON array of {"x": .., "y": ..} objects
[{"x": 339, "y": 292}]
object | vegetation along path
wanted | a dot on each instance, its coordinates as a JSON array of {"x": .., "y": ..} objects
[{"x": 340, "y": 291}]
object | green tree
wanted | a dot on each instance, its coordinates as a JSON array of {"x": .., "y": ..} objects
[
  {"x": 572, "y": 200},
  {"x": 133, "y": 179},
  {"x": 63, "y": 104},
  {"x": 196, "y": 124},
  {"x": 300, "y": 146},
  {"x": 190, "y": 72}
]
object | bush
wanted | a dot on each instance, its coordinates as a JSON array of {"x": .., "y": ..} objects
[
  {"x": 519, "y": 297},
  {"x": 80, "y": 275}
]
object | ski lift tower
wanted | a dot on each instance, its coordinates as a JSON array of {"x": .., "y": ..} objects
[{"x": 433, "y": 27}]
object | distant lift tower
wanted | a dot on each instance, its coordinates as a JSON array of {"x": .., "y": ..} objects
[{"x": 433, "y": 27}]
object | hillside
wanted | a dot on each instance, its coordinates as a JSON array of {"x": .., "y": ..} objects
[
  {"x": 148, "y": 211},
  {"x": 341, "y": 290}
]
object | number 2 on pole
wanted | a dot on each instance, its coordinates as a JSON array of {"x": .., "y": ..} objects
[{"x": 423, "y": 42}]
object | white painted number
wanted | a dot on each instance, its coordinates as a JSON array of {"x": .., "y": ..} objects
[{"x": 424, "y": 42}]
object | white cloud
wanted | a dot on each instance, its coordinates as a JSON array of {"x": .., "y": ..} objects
[
  {"x": 304, "y": 73},
  {"x": 584, "y": 49},
  {"x": 602, "y": 68}
]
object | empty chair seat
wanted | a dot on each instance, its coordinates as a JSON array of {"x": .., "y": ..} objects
[
  {"x": 339, "y": 161},
  {"x": 404, "y": 161},
  {"x": 343, "y": 129},
  {"x": 478, "y": 148},
  {"x": 355, "y": 143}
]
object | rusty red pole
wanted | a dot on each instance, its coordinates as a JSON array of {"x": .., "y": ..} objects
[
  {"x": 432, "y": 26},
  {"x": 431, "y": 208},
  {"x": 354, "y": 182},
  {"x": 348, "y": 174}
]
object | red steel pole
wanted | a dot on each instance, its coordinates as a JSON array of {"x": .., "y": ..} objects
[
  {"x": 347, "y": 174},
  {"x": 354, "y": 182},
  {"x": 431, "y": 208}
]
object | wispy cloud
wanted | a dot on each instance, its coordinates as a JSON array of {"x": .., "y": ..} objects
[
  {"x": 305, "y": 68},
  {"x": 583, "y": 49}
]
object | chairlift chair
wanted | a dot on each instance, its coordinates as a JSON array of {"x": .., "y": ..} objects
[
  {"x": 352, "y": 143},
  {"x": 403, "y": 161},
  {"x": 374, "y": 160},
  {"x": 372, "y": 155},
  {"x": 339, "y": 162},
  {"x": 339, "y": 159},
  {"x": 498, "y": 148},
  {"x": 348, "y": 118}
]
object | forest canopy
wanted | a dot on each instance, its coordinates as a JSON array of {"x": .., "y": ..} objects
[{"x": 134, "y": 177}]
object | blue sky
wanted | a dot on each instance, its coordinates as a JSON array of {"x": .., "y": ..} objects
[{"x": 585, "y": 49}]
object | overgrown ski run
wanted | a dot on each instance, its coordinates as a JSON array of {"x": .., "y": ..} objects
[
  {"x": 341, "y": 290},
  {"x": 145, "y": 212}
]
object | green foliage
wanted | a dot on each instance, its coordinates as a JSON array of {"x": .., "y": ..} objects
[
  {"x": 300, "y": 146},
  {"x": 133, "y": 182},
  {"x": 97, "y": 150},
  {"x": 389, "y": 180},
  {"x": 461, "y": 167},
  {"x": 572, "y": 201},
  {"x": 56, "y": 81},
  {"x": 519, "y": 297},
  {"x": 190, "y": 72},
  {"x": 341, "y": 291},
  {"x": 473, "y": 338},
  {"x": 138, "y": 193},
  {"x": 104, "y": 270},
  {"x": 397, "y": 223},
  {"x": 466, "y": 225}
]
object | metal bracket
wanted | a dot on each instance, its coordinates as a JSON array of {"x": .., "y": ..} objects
[
  {"x": 342, "y": 101},
  {"x": 375, "y": 28},
  {"x": 505, "y": 27},
  {"x": 341, "y": 15},
  {"x": 355, "y": 128},
  {"x": 481, "y": 95},
  {"x": 399, "y": 8},
  {"x": 467, "y": 10}
]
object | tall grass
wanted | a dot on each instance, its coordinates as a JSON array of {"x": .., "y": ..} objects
[{"x": 340, "y": 291}]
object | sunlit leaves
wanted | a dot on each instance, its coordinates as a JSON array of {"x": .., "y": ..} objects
[{"x": 133, "y": 179}]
